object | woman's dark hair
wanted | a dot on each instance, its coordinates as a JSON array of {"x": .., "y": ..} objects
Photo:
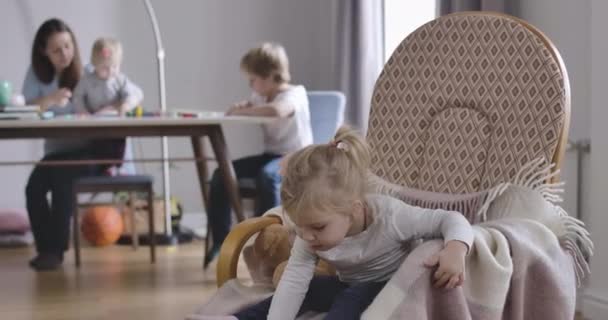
[{"x": 43, "y": 68}]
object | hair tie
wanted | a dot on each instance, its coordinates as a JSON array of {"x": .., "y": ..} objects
[
  {"x": 339, "y": 144},
  {"x": 343, "y": 146}
]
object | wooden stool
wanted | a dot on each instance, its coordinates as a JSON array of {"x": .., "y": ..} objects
[{"x": 131, "y": 184}]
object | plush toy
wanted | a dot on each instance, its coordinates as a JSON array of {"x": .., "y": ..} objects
[{"x": 267, "y": 257}]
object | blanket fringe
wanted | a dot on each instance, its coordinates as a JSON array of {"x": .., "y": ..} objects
[
  {"x": 490, "y": 197},
  {"x": 534, "y": 175},
  {"x": 468, "y": 204},
  {"x": 573, "y": 236}
]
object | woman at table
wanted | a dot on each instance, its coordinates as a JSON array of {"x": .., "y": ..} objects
[{"x": 54, "y": 72}]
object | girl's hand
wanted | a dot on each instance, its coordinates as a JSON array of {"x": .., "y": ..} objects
[
  {"x": 237, "y": 106},
  {"x": 450, "y": 273},
  {"x": 123, "y": 108}
]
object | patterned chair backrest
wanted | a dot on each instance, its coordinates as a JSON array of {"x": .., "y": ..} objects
[{"x": 465, "y": 101}]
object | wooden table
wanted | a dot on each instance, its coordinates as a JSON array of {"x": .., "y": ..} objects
[{"x": 207, "y": 124}]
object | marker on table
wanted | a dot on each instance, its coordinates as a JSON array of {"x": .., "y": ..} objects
[{"x": 185, "y": 114}]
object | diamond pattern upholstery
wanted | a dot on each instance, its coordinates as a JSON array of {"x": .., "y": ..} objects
[{"x": 466, "y": 100}]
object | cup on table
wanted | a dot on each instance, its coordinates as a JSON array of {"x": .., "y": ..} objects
[{"x": 6, "y": 92}]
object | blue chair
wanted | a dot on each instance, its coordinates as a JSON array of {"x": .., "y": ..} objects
[{"x": 326, "y": 114}]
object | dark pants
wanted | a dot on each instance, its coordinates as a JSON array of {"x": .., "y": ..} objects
[
  {"x": 326, "y": 294},
  {"x": 264, "y": 169},
  {"x": 51, "y": 223}
]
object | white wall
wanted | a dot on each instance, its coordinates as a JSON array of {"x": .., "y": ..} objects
[
  {"x": 596, "y": 298},
  {"x": 573, "y": 28},
  {"x": 203, "y": 40}
]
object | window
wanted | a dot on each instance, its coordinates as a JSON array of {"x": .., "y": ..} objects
[{"x": 402, "y": 17}]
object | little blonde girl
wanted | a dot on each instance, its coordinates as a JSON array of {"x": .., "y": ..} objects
[
  {"x": 364, "y": 236},
  {"x": 105, "y": 89}
]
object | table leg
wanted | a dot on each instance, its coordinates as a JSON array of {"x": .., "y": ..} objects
[
  {"x": 218, "y": 143},
  {"x": 201, "y": 168},
  {"x": 203, "y": 177},
  {"x": 76, "y": 230}
]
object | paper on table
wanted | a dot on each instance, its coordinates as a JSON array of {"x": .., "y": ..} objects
[
  {"x": 15, "y": 108},
  {"x": 196, "y": 113}
]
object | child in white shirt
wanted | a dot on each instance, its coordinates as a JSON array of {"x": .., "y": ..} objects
[{"x": 267, "y": 70}]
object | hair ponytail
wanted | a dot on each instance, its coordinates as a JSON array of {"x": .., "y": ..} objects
[
  {"x": 356, "y": 149},
  {"x": 326, "y": 176}
]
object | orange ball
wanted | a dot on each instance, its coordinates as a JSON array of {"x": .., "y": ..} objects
[{"x": 102, "y": 225}]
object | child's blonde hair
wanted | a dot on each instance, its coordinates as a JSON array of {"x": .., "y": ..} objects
[
  {"x": 326, "y": 177},
  {"x": 269, "y": 59},
  {"x": 106, "y": 49}
]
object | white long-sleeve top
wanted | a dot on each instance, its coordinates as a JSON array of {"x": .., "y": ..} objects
[
  {"x": 370, "y": 256},
  {"x": 285, "y": 135}
]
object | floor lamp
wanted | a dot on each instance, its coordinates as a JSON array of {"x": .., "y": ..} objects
[{"x": 160, "y": 55}]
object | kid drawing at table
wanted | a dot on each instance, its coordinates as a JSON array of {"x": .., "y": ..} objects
[{"x": 267, "y": 70}]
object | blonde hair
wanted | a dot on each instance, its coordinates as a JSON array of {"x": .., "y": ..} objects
[
  {"x": 269, "y": 59},
  {"x": 106, "y": 49},
  {"x": 326, "y": 177}
]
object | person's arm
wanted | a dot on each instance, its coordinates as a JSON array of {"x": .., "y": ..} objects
[
  {"x": 131, "y": 96},
  {"x": 31, "y": 88},
  {"x": 243, "y": 104},
  {"x": 33, "y": 94},
  {"x": 283, "y": 106},
  {"x": 79, "y": 98},
  {"x": 274, "y": 109},
  {"x": 294, "y": 282},
  {"x": 414, "y": 222},
  {"x": 239, "y": 105}
]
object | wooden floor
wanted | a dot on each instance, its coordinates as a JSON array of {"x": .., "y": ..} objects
[{"x": 113, "y": 283}]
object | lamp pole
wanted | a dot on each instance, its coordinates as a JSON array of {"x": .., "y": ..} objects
[{"x": 160, "y": 55}]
